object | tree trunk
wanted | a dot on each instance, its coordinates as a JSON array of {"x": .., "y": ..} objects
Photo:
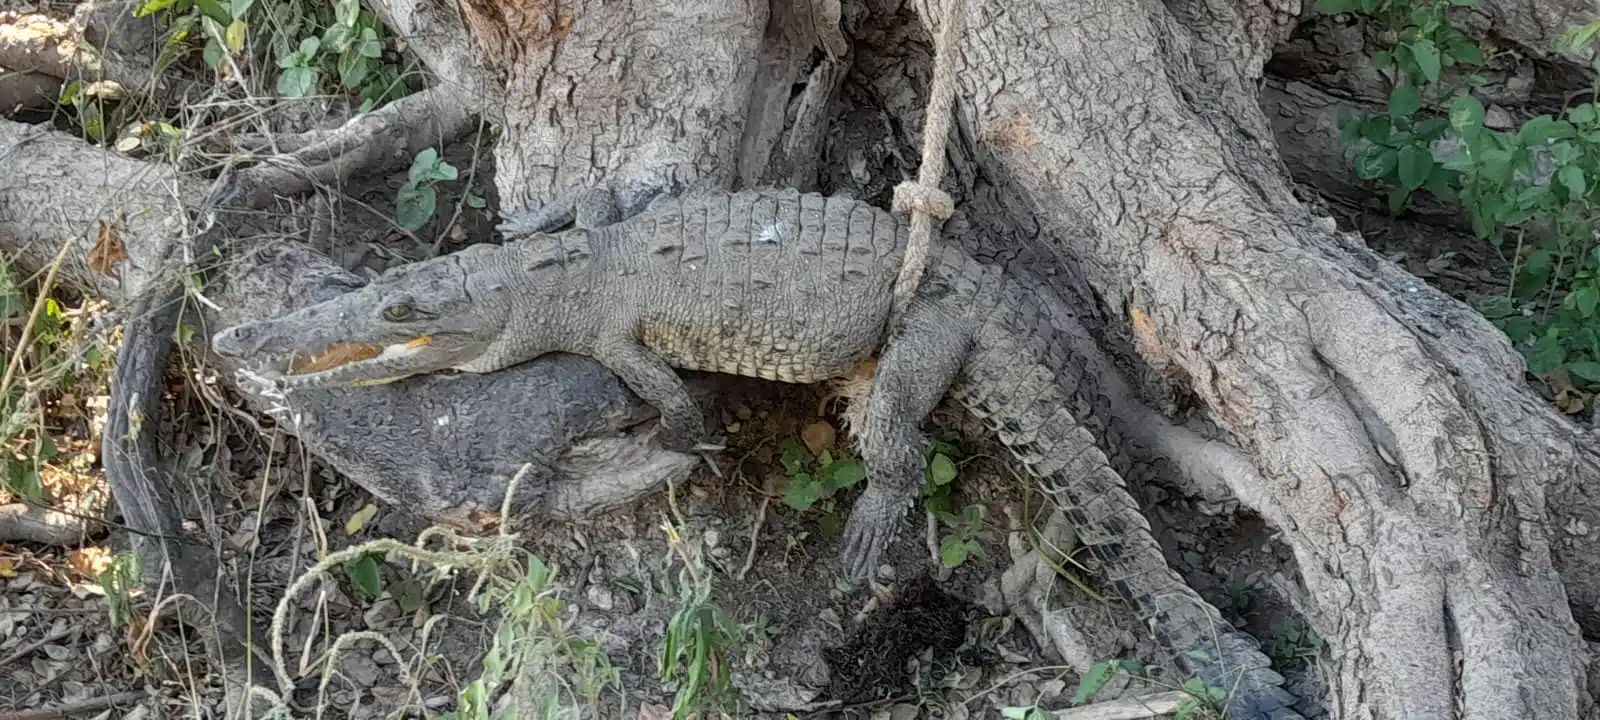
[
  {"x": 1395, "y": 445},
  {"x": 1117, "y": 152}
]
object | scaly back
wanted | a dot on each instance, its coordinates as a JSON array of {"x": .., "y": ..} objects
[{"x": 772, "y": 284}]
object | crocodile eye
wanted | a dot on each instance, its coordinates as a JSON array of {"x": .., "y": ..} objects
[{"x": 397, "y": 313}]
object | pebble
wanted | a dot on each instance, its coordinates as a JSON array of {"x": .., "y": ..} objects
[{"x": 601, "y": 598}]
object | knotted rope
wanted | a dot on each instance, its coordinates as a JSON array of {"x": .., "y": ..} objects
[{"x": 922, "y": 197}]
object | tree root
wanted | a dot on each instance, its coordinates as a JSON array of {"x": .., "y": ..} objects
[{"x": 22, "y": 522}]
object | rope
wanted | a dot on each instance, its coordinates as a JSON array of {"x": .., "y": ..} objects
[{"x": 922, "y": 197}]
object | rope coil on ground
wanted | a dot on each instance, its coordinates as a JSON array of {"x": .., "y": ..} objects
[{"x": 922, "y": 197}]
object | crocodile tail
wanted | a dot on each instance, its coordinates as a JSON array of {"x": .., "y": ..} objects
[{"x": 1019, "y": 380}]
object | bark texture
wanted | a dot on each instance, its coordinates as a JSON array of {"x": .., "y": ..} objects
[{"x": 1393, "y": 442}]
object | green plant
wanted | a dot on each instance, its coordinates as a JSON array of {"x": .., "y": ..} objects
[
  {"x": 119, "y": 579},
  {"x": 961, "y": 543},
  {"x": 416, "y": 200},
  {"x": 534, "y": 651},
  {"x": 814, "y": 480},
  {"x": 1294, "y": 645},
  {"x": 317, "y": 47},
  {"x": 43, "y": 356},
  {"x": 700, "y": 638},
  {"x": 1203, "y": 702},
  {"x": 364, "y": 576},
  {"x": 1531, "y": 193}
]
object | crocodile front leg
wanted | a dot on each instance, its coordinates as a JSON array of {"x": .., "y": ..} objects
[
  {"x": 586, "y": 208},
  {"x": 682, "y": 426},
  {"x": 916, "y": 369}
]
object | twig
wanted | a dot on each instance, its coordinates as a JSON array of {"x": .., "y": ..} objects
[
  {"x": 25, "y": 650},
  {"x": 33, "y": 317},
  {"x": 77, "y": 706},
  {"x": 755, "y": 532},
  {"x": 1148, "y": 706}
]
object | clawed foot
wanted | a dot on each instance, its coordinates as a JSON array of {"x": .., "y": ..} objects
[
  {"x": 706, "y": 448},
  {"x": 872, "y": 526}
]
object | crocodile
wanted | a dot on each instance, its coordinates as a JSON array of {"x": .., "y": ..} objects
[{"x": 791, "y": 287}]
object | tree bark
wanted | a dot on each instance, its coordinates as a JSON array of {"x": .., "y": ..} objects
[{"x": 1394, "y": 443}]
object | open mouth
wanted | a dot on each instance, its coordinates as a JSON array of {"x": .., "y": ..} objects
[{"x": 344, "y": 358}]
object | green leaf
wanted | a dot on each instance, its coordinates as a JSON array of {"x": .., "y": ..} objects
[
  {"x": 420, "y": 164},
  {"x": 1587, "y": 369},
  {"x": 369, "y": 45},
  {"x": 234, "y": 36},
  {"x": 1542, "y": 129},
  {"x": 1547, "y": 354},
  {"x": 1415, "y": 164},
  {"x": 1467, "y": 53},
  {"x": 1581, "y": 114},
  {"x": 845, "y": 474},
  {"x": 215, "y": 11},
  {"x": 952, "y": 551},
  {"x": 353, "y": 68},
  {"x": 297, "y": 82},
  {"x": 1091, "y": 682},
  {"x": 1382, "y": 60},
  {"x": 1517, "y": 328},
  {"x": 1571, "y": 177},
  {"x": 1496, "y": 166},
  {"x": 1441, "y": 183},
  {"x": 802, "y": 492},
  {"x": 414, "y": 205},
  {"x": 942, "y": 470},
  {"x": 1427, "y": 57},
  {"x": 1496, "y": 306},
  {"x": 1466, "y": 112},
  {"x": 1585, "y": 299},
  {"x": 1397, "y": 200},
  {"x": 793, "y": 458},
  {"x": 1404, "y": 101},
  {"x": 363, "y": 572},
  {"x": 152, "y": 6},
  {"x": 1376, "y": 163},
  {"x": 23, "y": 480}
]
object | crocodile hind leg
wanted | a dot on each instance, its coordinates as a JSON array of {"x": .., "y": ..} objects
[{"x": 917, "y": 366}]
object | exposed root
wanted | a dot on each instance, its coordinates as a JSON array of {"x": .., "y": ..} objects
[{"x": 21, "y": 522}]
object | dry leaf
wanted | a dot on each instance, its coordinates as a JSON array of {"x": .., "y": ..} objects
[
  {"x": 649, "y": 711},
  {"x": 360, "y": 518},
  {"x": 1571, "y": 402},
  {"x": 8, "y": 569},
  {"x": 108, "y": 250},
  {"x": 89, "y": 561},
  {"x": 818, "y": 436}
]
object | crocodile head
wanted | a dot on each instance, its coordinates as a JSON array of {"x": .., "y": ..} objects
[{"x": 418, "y": 318}]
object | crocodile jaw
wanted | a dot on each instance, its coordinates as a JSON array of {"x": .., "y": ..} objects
[{"x": 359, "y": 364}]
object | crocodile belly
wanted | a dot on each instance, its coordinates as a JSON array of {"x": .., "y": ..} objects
[{"x": 777, "y": 354}]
